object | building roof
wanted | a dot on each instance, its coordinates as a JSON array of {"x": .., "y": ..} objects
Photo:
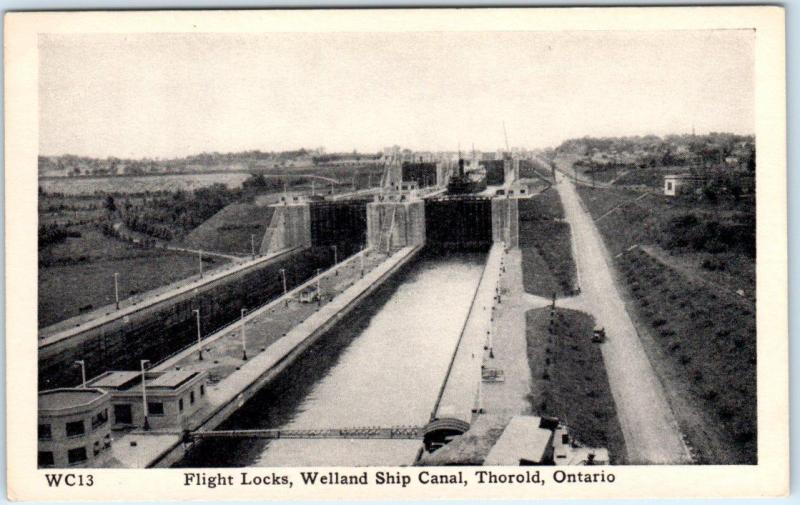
[
  {"x": 114, "y": 379},
  {"x": 522, "y": 439},
  {"x": 126, "y": 380},
  {"x": 67, "y": 398},
  {"x": 171, "y": 379}
]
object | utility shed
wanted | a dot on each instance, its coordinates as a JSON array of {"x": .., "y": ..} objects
[
  {"x": 523, "y": 442},
  {"x": 676, "y": 184}
]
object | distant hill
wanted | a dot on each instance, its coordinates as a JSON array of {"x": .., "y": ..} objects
[{"x": 229, "y": 230}]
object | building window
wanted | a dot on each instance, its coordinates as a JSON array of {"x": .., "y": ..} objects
[
  {"x": 77, "y": 455},
  {"x": 191, "y": 397},
  {"x": 75, "y": 429},
  {"x": 45, "y": 433},
  {"x": 100, "y": 419},
  {"x": 202, "y": 390},
  {"x": 669, "y": 186},
  {"x": 123, "y": 413},
  {"x": 180, "y": 404},
  {"x": 46, "y": 459},
  {"x": 155, "y": 408}
]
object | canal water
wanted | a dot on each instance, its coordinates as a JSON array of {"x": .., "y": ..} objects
[{"x": 381, "y": 366}]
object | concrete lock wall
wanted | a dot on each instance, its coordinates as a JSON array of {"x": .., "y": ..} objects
[
  {"x": 159, "y": 330},
  {"x": 511, "y": 169},
  {"x": 341, "y": 223},
  {"x": 391, "y": 225},
  {"x": 458, "y": 223},
  {"x": 505, "y": 221},
  {"x": 290, "y": 227}
]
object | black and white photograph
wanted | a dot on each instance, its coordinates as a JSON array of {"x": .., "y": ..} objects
[{"x": 337, "y": 250}]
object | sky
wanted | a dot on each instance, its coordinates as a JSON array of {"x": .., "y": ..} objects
[{"x": 171, "y": 95}]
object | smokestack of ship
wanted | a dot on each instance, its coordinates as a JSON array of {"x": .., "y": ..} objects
[{"x": 461, "y": 167}]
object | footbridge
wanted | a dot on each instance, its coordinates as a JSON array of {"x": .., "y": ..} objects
[{"x": 353, "y": 433}]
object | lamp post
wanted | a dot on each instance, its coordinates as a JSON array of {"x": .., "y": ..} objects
[
  {"x": 253, "y": 245},
  {"x": 199, "y": 336},
  {"x": 116, "y": 288},
  {"x": 319, "y": 288},
  {"x": 200, "y": 256},
  {"x": 144, "y": 394},
  {"x": 244, "y": 337},
  {"x": 283, "y": 277},
  {"x": 83, "y": 372},
  {"x": 361, "y": 257}
]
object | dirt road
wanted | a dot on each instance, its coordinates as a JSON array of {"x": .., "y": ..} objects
[{"x": 651, "y": 432}]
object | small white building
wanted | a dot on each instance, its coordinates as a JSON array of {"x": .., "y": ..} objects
[{"x": 677, "y": 184}]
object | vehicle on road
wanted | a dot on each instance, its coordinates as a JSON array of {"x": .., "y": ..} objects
[{"x": 599, "y": 335}]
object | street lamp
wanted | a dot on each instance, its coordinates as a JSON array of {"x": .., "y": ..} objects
[
  {"x": 83, "y": 372},
  {"x": 335, "y": 255},
  {"x": 283, "y": 276},
  {"x": 144, "y": 394},
  {"x": 244, "y": 337},
  {"x": 253, "y": 245},
  {"x": 199, "y": 337},
  {"x": 200, "y": 256},
  {"x": 116, "y": 288}
]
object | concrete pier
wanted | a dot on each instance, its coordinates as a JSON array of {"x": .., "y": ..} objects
[
  {"x": 289, "y": 227},
  {"x": 459, "y": 399},
  {"x": 505, "y": 221},
  {"x": 231, "y": 392},
  {"x": 394, "y": 223}
]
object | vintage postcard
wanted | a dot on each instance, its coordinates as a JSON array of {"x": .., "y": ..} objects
[{"x": 396, "y": 254}]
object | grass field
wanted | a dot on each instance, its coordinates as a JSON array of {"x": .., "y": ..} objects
[
  {"x": 698, "y": 331},
  {"x": 709, "y": 337},
  {"x": 139, "y": 184},
  {"x": 545, "y": 241},
  {"x": 81, "y": 271},
  {"x": 568, "y": 378},
  {"x": 229, "y": 230},
  {"x": 645, "y": 220}
]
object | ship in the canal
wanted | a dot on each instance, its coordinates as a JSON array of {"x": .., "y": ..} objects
[{"x": 463, "y": 182}]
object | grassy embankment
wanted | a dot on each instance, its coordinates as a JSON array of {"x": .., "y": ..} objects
[
  {"x": 229, "y": 230},
  {"x": 78, "y": 273},
  {"x": 545, "y": 241},
  {"x": 681, "y": 262},
  {"x": 568, "y": 378},
  {"x": 80, "y": 249}
]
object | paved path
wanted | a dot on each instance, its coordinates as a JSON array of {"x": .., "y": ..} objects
[
  {"x": 648, "y": 425},
  {"x": 509, "y": 343}
]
